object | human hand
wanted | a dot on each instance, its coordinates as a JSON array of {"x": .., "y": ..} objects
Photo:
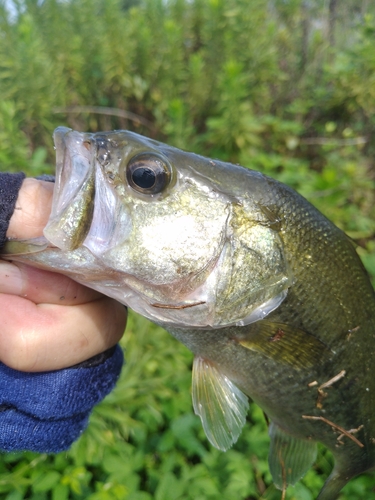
[{"x": 48, "y": 321}]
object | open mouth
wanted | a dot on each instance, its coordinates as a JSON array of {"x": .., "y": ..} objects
[{"x": 72, "y": 204}]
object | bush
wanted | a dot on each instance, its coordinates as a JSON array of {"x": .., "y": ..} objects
[{"x": 271, "y": 85}]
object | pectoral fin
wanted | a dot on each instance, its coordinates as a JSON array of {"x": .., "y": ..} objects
[
  {"x": 221, "y": 406},
  {"x": 283, "y": 343},
  {"x": 289, "y": 458}
]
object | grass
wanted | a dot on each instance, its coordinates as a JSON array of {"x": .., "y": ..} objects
[{"x": 232, "y": 79}]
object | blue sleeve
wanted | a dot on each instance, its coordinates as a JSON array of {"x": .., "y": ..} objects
[{"x": 47, "y": 411}]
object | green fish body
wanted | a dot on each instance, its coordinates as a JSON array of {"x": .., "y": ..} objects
[{"x": 269, "y": 295}]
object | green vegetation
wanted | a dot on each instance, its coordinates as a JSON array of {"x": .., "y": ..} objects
[{"x": 286, "y": 87}]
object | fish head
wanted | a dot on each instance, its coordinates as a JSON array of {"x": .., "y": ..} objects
[{"x": 175, "y": 240}]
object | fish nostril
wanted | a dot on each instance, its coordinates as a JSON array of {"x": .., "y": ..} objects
[
  {"x": 104, "y": 156},
  {"x": 87, "y": 145}
]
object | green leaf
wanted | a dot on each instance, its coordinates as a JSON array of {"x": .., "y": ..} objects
[
  {"x": 46, "y": 481},
  {"x": 60, "y": 492},
  {"x": 169, "y": 488}
]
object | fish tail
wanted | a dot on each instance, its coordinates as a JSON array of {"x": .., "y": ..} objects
[{"x": 334, "y": 484}]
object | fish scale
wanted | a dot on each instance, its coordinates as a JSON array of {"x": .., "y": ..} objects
[{"x": 269, "y": 295}]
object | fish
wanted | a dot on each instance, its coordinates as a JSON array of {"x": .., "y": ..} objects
[{"x": 269, "y": 295}]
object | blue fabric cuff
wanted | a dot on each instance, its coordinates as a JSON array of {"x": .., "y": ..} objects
[{"x": 46, "y": 412}]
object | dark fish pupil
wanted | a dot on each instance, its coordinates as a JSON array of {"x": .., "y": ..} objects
[
  {"x": 148, "y": 173},
  {"x": 144, "y": 177}
]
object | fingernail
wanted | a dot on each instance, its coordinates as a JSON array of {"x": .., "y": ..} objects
[{"x": 11, "y": 280}]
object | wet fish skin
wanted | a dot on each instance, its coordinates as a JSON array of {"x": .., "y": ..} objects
[
  {"x": 332, "y": 299},
  {"x": 320, "y": 317}
]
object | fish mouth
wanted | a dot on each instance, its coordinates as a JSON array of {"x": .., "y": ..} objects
[{"x": 74, "y": 192}]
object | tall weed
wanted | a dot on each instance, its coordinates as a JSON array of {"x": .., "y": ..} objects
[{"x": 272, "y": 85}]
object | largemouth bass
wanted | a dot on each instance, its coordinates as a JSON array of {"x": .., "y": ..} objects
[{"x": 269, "y": 295}]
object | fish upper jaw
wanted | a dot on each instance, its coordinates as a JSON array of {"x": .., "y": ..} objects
[{"x": 74, "y": 191}]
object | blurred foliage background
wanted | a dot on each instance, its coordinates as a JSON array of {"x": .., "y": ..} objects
[{"x": 282, "y": 86}]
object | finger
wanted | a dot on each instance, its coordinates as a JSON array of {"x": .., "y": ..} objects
[
  {"x": 32, "y": 209},
  {"x": 49, "y": 337},
  {"x": 41, "y": 286}
]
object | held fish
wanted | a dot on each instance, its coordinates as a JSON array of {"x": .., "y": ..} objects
[{"x": 269, "y": 295}]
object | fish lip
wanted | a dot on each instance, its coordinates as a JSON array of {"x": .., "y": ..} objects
[
  {"x": 61, "y": 151},
  {"x": 70, "y": 154},
  {"x": 73, "y": 168}
]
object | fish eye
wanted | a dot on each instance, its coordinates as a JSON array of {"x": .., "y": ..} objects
[{"x": 148, "y": 173}]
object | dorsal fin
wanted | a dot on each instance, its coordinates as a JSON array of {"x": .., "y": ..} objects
[{"x": 221, "y": 406}]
